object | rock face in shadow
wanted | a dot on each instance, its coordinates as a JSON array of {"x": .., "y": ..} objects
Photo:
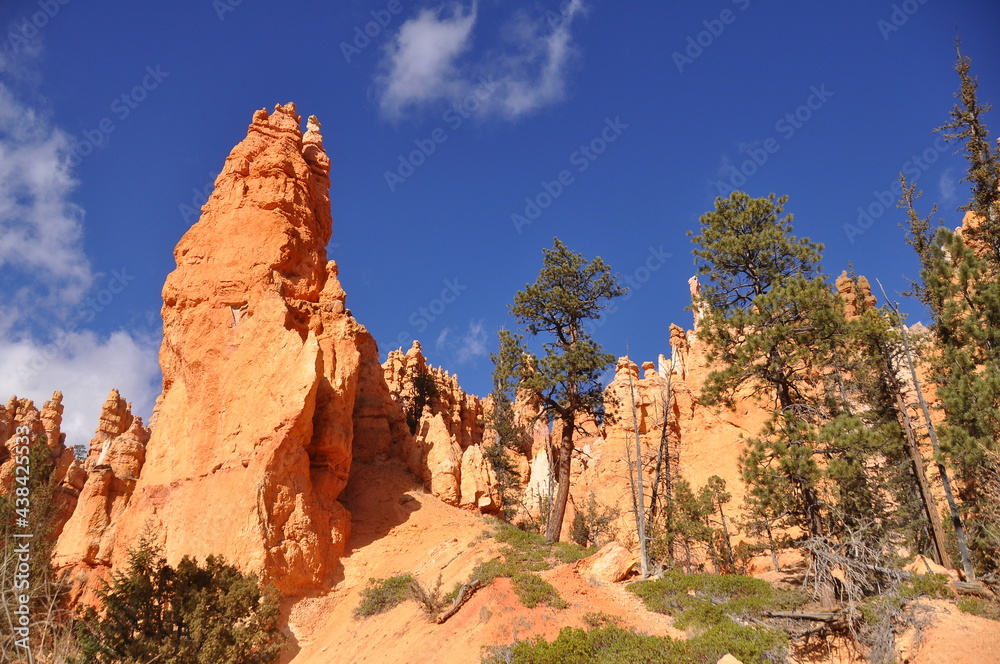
[{"x": 429, "y": 423}]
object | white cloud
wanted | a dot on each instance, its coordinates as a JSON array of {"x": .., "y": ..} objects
[
  {"x": 442, "y": 340},
  {"x": 463, "y": 347},
  {"x": 41, "y": 230},
  {"x": 424, "y": 63},
  {"x": 47, "y": 276},
  {"x": 84, "y": 367},
  {"x": 422, "y": 58},
  {"x": 948, "y": 186},
  {"x": 473, "y": 344}
]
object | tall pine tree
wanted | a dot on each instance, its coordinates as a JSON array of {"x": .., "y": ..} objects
[{"x": 569, "y": 292}]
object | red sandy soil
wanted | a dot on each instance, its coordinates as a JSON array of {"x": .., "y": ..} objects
[
  {"x": 397, "y": 528},
  {"x": 956, "y": 637}
]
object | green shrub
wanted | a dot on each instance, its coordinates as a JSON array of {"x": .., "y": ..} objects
[
  {"x": 533, "y": 590},
  {"x": 568, "y": 552},
  {"x": 704, "y": 600},
  {"x": 381, "y": 595},
  {"x": 978, "y": 606},
  {"x": 523, "y": 553},
  {"x": 926, "y": 585},
  {"x": 601, "y": 619},
  {"x": 614, "y": 645},
  {"x": 710, "y": 605}
]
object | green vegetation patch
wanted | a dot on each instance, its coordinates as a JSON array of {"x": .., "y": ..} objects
[
  {"x": 925, "y": 585},
  {"x": 614, "y": 645},
  {"x": 524, "y": 554},
  {"x": 978, "y": 606},
  {"x": 698, "y": 601},
  {"x": 381, "y": 595}
]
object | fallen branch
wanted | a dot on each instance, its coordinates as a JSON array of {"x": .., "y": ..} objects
[
  {"x": 821, "y": 616},
  {"x": 463, "y": 596},
  {"x": 975, "y": 588}
]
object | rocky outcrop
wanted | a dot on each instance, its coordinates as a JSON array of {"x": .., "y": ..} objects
[
  {"x": 445, "y": 427},
  {"x": 20, "y": 417},
  {"x": 856, "y": 293},
  {"x": 611, "y": 564},
  {"x": 41, "y": 426},
  {"x": 98, "y": 488},
  {"x": 252, "y": 435}
]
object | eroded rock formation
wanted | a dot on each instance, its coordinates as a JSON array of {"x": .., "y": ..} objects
[
  {"x": 251, "y": 443},
  {"x": 438, "y": 430},
  {"x": 97, "y": 489},
  {"x": 856, "y": 293}
]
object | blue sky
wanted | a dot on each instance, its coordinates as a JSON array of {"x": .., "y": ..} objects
[{"x": 463, "y": 137}]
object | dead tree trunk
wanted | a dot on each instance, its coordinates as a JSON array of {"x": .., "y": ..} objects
[
  {"x": 956, "y": 519},
  {"x": 637, "y": 486}
]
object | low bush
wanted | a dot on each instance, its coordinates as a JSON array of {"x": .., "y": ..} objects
[
  {"x": 978, "y": 606},
  {"x": 381, "y": 595},
  {"x": 613, "y": 645},
  {"x": 523, "y": 554},
  {"x": 430, "y": 598},
  {"x": 601, "y": 619},
  {"x": 705, "y": 600},
  {"x": 926, "y": 585},
  {"x": 533, "y": 590}
]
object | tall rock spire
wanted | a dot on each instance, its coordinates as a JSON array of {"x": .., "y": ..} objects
[{"x": 251, "y": 441}]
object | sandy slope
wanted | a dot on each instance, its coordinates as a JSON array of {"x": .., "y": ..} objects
[{"x": 398, "y": 528}]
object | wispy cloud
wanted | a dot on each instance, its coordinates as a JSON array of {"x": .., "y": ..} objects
[
  {"x": 948, "y": 186},
  {"x": 442, "y": 340},
  {"x": 473, "y": 343},
  {"x": 46, "y": 277},
  {"x": 463, "y": 347},
  {"x": 84, "y": 366},
  {"x": 429, "y": 62},
  {"x": 41, "y": 230}
]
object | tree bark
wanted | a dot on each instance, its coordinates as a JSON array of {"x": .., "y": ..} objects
[
  {"x": 638, "y": 489},
  {"x": 557, "y": 511}
]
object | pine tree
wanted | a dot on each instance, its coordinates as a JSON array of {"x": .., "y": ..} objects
[
  {"x": 211, "y": 614},
  {"x": 828, "y": 459},
  {"x": 509, "y": 436},
  {"x": 772, "y": 325},
  {"x": 983, "y": 173},
  {"x": 959, "y": 285},
  {"x": 568, "y": 292}
]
